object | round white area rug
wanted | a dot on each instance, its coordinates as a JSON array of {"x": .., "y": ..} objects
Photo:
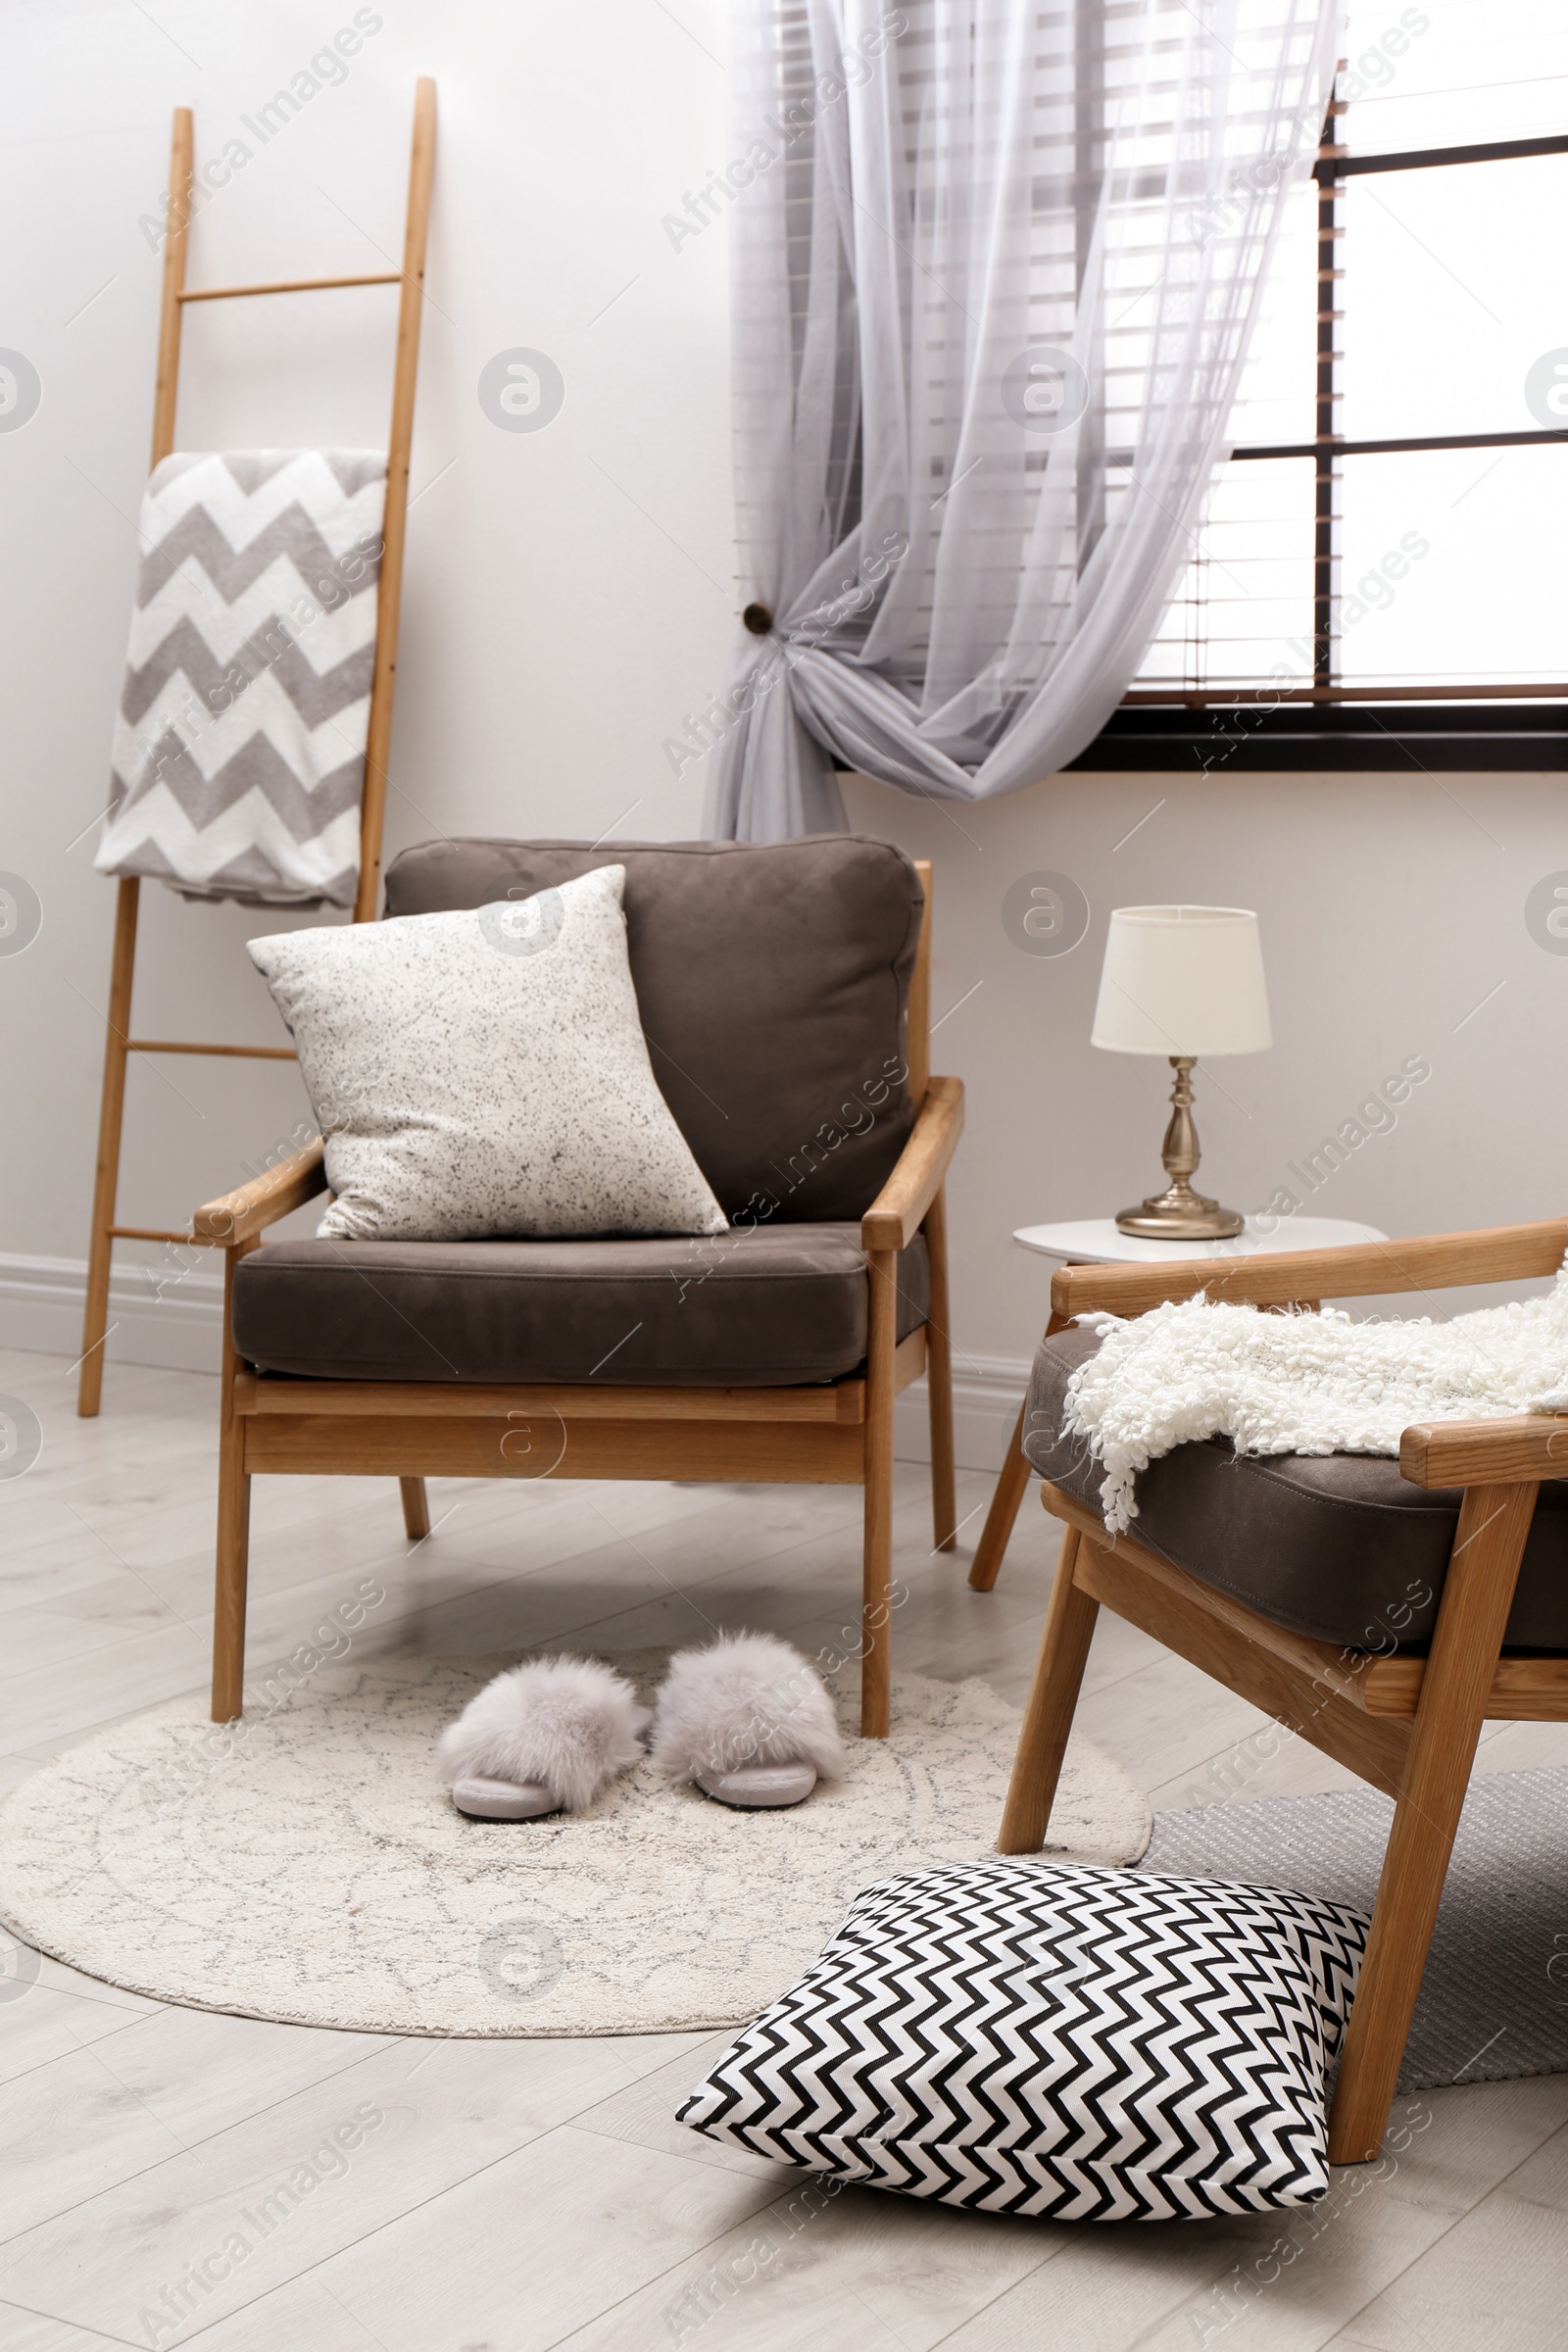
[{"x": 306, "y": 1867}]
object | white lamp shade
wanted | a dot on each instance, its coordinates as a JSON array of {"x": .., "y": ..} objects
[{"x": 1182, "y": 980}]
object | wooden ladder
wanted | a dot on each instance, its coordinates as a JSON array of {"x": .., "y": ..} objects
[{"x": 119, "y": 1045}]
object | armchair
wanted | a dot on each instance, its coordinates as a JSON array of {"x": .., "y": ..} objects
[
  {"x": 1269, "y": 1576},
  {"x": 785, "y": 995}
]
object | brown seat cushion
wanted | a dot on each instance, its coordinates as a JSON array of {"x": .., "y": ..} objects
[
  {"x": 772, "y": 981},
  {"x": 756, "y": 1307},
  {"x": 1338, "y": 1546}
]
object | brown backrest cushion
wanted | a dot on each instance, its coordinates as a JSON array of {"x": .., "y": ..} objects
[{"x": 773, "y": 983}]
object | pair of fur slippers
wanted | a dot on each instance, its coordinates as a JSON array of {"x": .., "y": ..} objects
[{"x": 746, "y": 1720}]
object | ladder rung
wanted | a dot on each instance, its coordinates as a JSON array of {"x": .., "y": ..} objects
[
  {"x": 152, "y": 1233},
  {"x": 164, "y": 1045},
  {"x": 292, "y": 285}
]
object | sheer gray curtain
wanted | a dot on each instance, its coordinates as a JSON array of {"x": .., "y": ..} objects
[{"x": 995, "y": 270}]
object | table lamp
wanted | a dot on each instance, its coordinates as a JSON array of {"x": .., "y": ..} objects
[{"x": 1185, "y": 982}]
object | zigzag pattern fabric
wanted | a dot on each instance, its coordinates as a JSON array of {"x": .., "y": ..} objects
[
  {"x": 1085, "y": 2044},
  {"x": 238, "y": 758}
]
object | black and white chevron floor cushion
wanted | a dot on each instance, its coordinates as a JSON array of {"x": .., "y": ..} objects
[{"x": 1089, "y": 2044}]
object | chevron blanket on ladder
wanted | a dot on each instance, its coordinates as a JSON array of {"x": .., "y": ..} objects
[{"x": 239, "y": 750}]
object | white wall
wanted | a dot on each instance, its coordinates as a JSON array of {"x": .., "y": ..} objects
[{"x": 569, "y": 597}]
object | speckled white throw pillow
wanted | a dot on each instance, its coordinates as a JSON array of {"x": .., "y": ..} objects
[{"x": 484, "y": 1073}]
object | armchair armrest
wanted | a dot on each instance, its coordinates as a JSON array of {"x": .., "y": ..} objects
[
  {"x": 1360, "y": 1269},
  {"x": 1485, "y": 1453},
  {"x": 894, "y": 1217},
  {"x": 240, "y": 1215}
]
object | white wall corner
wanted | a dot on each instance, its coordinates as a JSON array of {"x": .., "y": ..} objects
[{"x": 156, "y": 1316}]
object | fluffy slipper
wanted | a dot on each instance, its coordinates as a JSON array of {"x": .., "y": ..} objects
[
  {"x": 484, "y": 1799},
  {"x": 543, "y": 1738},
  {"x": 748, "y": 1721}
]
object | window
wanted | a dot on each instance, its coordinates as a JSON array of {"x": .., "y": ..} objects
[{"x": 1379, "y": 577}]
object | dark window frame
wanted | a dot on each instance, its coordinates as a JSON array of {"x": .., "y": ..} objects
[{"x": 1271, "y": 728}]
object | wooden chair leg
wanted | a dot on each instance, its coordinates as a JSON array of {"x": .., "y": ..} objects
[
  {"x": 111, "y": 1118},
  {"x": 1011, "y": 1487},
  {"x": 877, "y": 1586},
  {"x": 1053, "y": 1699},
  {"x": 415, "y": 1508},
  {"x": 234, "y": 1558},
  {"x": 1477, "y": 1595},
  {"x": 233, "y": 1529},
  {"x": 939, "y": 1380}
]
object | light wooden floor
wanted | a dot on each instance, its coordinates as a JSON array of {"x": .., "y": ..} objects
[{"x": 517, "y": 2195}]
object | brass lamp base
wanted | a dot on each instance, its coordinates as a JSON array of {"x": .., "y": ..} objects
[{"x": 1178, "y": 1213}]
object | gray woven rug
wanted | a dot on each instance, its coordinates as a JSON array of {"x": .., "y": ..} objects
[{"x": 1494, "y": 2002}]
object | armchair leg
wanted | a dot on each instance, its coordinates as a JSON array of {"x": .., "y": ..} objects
[
  {"x": 1052, "y": 1700},
  {"x": 415, "y": 1508},
  {"x": 233, "y": 1561},
  {"x": 877, "y": 1586},
  {"x": 1488, "y": 1543},
  {"x": 1011, "y": 1487},
  {"x": 938, "y": 1380}
]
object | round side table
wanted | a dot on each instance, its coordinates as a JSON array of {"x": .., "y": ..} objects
[{"x": 1096, "y": 1241}]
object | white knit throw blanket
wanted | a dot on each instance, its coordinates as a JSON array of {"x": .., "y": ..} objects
[{"x": 1303, "y": 1383}]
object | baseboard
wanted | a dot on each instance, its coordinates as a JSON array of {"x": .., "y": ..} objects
[
  {"x": 175, "y": 1320},
  {"x": 158, "y": 1315},
  {"x": 987, "y": 1394}
]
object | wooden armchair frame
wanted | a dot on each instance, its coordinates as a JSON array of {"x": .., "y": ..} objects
[
  {"x": 1409, "y": 1725},
  {"x": 838, "y": 1432}
]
